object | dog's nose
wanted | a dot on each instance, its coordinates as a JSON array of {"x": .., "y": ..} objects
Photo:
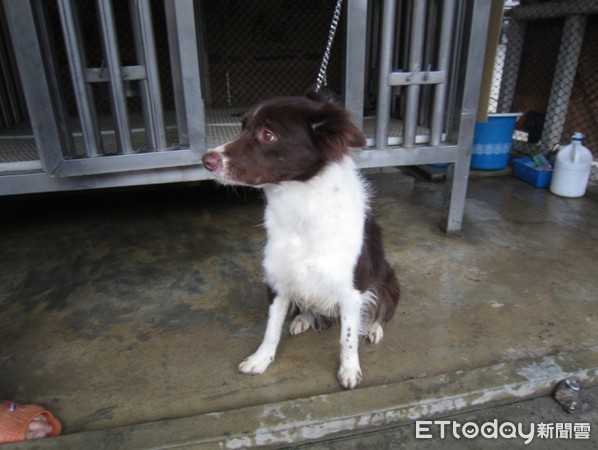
[{"x": 212, "y": 161}]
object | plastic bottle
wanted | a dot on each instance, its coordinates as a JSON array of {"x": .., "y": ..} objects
[{"x": 572, "y": 168}]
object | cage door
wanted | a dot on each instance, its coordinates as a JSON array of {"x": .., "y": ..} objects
[{"x": 110, "y": 86}]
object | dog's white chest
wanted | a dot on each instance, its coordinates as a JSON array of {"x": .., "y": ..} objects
[{"x": 315, "y": 232}]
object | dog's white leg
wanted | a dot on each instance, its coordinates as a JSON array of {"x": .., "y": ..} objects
[
  {"x": 349, "y": 373},
  {"x": 264, "y": 355}
]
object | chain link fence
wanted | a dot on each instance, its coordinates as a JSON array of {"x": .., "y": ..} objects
[
  {"x": 263, "y": 48},
  {"x": 547, "y": 68}
]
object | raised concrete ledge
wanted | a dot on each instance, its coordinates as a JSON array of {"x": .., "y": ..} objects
[{"x": 344, "y": 413}]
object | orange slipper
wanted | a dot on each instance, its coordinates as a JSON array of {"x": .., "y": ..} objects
[{"x": 15, "y": 419}]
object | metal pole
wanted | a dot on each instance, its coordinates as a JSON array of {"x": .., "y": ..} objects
[
  {"x": 444, "y": 51},
  {"x": 415, "y": 62},
  {"x": 40, "y": 82},
  {"x": 355, "y": 58},
  {"x": 384, "y": 89},
  {"x": 151, "y": 97},
  {"x": 458, "y": 173},
  {"x": 117, "y": 90},
  {"x": 83, "y": 92},
  {"x": 175, "y": 69},
  {"x": 191, "y": 93}
]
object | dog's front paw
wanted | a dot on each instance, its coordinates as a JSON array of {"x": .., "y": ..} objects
[
  {"x": 349, "y": 377},
  {"x": 255, "y": 364}
]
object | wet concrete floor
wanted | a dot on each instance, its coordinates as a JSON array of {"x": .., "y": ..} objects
[
  {"x": 539, "y": 420},
  {"x": 131, "y": 306}
]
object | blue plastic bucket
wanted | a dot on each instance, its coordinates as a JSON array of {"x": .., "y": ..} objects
[{"x": 492, "y": 141}]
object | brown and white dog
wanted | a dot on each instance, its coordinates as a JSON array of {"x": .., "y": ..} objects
[{"x": 324, "y": 252}]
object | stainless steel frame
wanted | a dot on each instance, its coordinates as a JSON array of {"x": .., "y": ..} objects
[
  {"x": 53, "y": 128},
  {"x": 461, "y": 44},
  {"x": 428, "y": 65}
]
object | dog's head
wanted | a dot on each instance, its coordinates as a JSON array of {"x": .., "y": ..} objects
[{"x": 284, "y": 139}]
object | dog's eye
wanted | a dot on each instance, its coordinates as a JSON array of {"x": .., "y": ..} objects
[{"x": 268, "y": 136}]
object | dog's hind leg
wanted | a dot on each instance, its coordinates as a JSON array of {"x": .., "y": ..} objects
[
  {"x": 374, "y": 332},
  {"x": 370, "y": 311},
  {"x": 264, "y": 355},
  {"x": 301, "y": 323}
]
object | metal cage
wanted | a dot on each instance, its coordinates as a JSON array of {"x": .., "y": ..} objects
[{"x": 100, "y": 93}]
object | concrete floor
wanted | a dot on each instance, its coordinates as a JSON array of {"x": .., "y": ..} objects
[
  {"x": 122, "y": 308},
  {"x": 530, "y": 414}
]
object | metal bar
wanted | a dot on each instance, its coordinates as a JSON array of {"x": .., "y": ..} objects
[
  {"x": 458, "y": 173},
  {"x": 82, "y": 90},
  {"x": 562, "y": 82},
  {"x": 190, "y": 74},
  {"x": 444, "y": 51},
  {"x": 175, "y": 69},
  {"x": 39, "y": 81},
  {"x": 26, "y": 183},
  {"x": 399, "y": 156},
  {"x": 421, "y": 138},
  {"x": 50, "y": 63},
  {"x": 430, "y": 44},
  {"x": 355, "y": 58},
  {"x": 419, "y": 78},
  {"x": 129, "y": 73},
  {"x": 150, "y": 92},
  {"x": 128, "y": 163},
  {"x": 415, "y": 62},
  {"x": 384, "y": 89},
  {"x": 117, "y": 89},
  {"x": 455, "y": 75}
]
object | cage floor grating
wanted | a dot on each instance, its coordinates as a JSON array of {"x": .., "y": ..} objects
[{"x": 17, "y": 143}]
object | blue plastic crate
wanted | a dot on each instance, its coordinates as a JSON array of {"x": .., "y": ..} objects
[{"x": 525, "y": 169}]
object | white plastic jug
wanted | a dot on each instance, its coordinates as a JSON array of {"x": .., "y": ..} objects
[{"x": 571, "y": 169}]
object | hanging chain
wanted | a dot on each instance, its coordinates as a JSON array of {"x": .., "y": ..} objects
[{"x": 321, "y": 80}]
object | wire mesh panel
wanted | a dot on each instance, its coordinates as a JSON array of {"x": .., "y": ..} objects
[
  {"x": 582, "y": 112},
  {"x": 547, "y": 68},
  {"x": 263, "y": 48}
]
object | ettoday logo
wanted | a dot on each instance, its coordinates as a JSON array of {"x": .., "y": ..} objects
[{"x": 428, "y": 429}]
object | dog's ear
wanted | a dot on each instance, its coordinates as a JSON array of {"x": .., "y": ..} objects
[{"x": 334, "y": 132}]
